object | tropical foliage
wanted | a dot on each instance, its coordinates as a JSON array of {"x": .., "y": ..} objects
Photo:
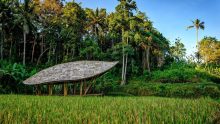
[
  {"x": 36, "y": 34},
  {"x": 209, "y": 49}
]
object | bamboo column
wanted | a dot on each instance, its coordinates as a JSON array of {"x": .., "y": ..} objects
[
  {"x": 38, "y": 90},
  {"x": 50, "y": 90},
  {"x": 81, "y": 88},
  {"x": 74, "y": 89},
  {"x": 65, "y": 89}
]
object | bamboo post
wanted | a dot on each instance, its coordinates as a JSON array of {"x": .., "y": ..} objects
[
  {"x": 84, "y": 86},
  {"x": 50, "y": 90},
  {"x": 81, "y": 88},
  {"x": 89, "y": 86},
  {"x": 74, "y": 89},
  {"x": 65, "y": 89},
  {"x": 38, "y": 90}
]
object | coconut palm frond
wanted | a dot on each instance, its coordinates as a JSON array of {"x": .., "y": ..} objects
[
  {"x": 189, "y": 27},
  {"x": 202, "y": 23},
  {"x": 202, "y": 27}
]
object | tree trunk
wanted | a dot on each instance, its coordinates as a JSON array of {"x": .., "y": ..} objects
[
  {"x": 123, "y": 61},
  {"x": 148, "y": 59},
  {"x": 24, "y": 49},
  {"x": 143, "y": 60},
  {"x": 112, "y": 43},
  {"x": 123, "y": 67},
  {"x": 126, "y": 63},
  {"x": 38, "y": 60},
  {"x": 2, "y": 42},
  {"x": 42, "y": 44},
  {"x": 33, "y": 49},
  {"x": 10, "y": 52}
]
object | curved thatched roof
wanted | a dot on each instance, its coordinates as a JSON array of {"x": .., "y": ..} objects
[{"x": 72, "y": 71}]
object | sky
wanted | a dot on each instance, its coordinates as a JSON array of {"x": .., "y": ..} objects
[{"x": 172, "y": 17}]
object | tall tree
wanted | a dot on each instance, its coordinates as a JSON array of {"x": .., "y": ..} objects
[
  {"x": 124, "y": 13},
  {"x": 143, "y": 37},
  {"x": 6, "y": 13},
  {"x": 73, "y": 28},
  {"x": 25, "y": 17},
  {"x": 197, "y": 24},
  {"x": 97, "y": 24},
  {"x": 178, "y": 51},
  {"x": 95, "y": 20},
  {"x": 49, "y": 14},
  {"x": 209, "y": 49}
]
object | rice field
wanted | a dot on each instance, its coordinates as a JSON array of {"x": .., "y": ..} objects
[{"x": 22, "y": 109}]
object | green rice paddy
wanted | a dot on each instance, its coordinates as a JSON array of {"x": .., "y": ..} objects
[{"x": 105, "y": 110}]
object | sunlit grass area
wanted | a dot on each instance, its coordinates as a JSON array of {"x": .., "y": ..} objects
[{"x": 94, "y": 110}]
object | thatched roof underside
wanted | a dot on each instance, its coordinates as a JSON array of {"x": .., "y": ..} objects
[{"x": 72, "y": 71}]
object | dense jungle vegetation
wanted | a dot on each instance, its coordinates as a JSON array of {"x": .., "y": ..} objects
[{"x": 38, "y": 34}]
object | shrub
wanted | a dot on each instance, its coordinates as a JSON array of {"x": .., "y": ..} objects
[
  {"x": 118, "y": 94},
  {"x": 107, "y": 83},
  {"x": 11, "y": 77},
  {"x": 181, "y": 73},
  {"x": 187, "y": 90}
]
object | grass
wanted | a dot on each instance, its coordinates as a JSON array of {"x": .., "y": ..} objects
[{"x": 95, "y": 110}]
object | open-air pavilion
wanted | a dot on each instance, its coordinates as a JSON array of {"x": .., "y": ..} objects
[{"x": 72, "y": 72}]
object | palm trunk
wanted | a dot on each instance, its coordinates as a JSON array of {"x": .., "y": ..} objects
[
  {"x": 33, "y": 49},
  {"x": 197, "y": 44},
  {"x": 42, "y": 44},
  {"x": 24, "y": 49},
  {"x": 197, "y": 38}
]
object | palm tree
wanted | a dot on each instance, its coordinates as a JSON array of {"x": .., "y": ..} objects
[
  {"x": 24, "y": 17},
  {"x": 198, "y": 25},
  {"x": 96, "y": 20}
]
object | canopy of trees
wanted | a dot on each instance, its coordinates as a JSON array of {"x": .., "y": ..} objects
[
  {"x": 35, "y": 32},
  {"x": 209, "y": 49}
]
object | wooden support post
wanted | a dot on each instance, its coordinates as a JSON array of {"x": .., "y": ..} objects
[
  {"x": 38, "y": 90},
  {"x": 74, "y": 89},
  {"x": 65, "y": 89},
  {"x": 81, "y": 88},
  {"x": 89, "y": 86},
  {"x": 50, "y": 90}
]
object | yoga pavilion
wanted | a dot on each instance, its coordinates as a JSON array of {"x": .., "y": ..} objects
[{"x": 83, "y": 72}]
